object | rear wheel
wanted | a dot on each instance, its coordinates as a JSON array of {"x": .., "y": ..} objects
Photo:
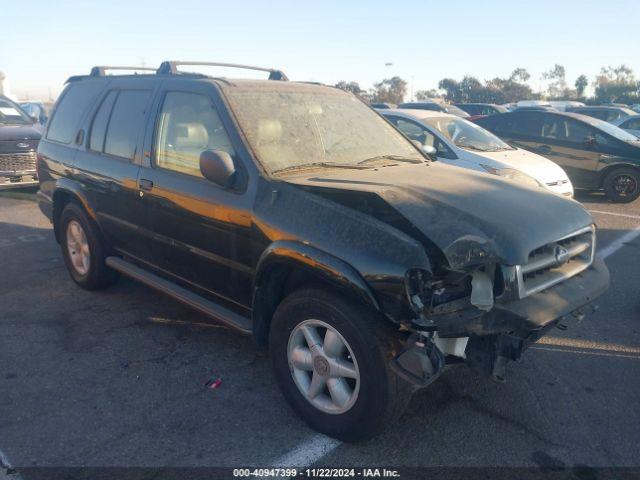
[
  {"x": 83, "y": 249},
  {"x": 622, "y": 185},
  {"x": 330, "y": 358}
]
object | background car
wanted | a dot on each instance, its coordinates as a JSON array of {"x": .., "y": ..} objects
[
  {"x": 631, "y": 124},
  {"x": 458, "y": 142},
  {"x": 436, "y": 107},
  {"x": 562, "y": 105},
  {"x": 594, "y": 153},
  {"x": 36, "y": 110},
  {"x": 538, "y": 108},
  {"x": 481, "y": 109},
  {"x": 382, "y": 105},
  {"x": 608, "y": 114},
  {"x": 18, "y": 143}
]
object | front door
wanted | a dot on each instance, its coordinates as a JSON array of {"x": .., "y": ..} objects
[{"x": 201, "y": 231}]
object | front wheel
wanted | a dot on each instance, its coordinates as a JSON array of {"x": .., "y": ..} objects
[
  {"x": 622, "y": 185},
  {"x": 330, "y": 358}
]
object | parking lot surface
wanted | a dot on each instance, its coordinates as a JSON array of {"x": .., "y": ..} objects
[{"x": 117, "y": 378}]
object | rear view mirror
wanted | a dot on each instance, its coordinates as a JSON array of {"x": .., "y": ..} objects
[{"x": 217, "y": 167}]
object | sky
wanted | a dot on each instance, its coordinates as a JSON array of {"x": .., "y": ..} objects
[{"x": 325, "y": 40}]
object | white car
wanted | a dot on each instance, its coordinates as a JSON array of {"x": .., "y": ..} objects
[{"x": 456, "y": 141}]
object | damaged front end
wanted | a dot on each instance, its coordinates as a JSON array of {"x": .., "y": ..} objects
[{"x": 487, "y": 315}]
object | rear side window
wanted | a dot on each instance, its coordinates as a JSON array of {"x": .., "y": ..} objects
[
  {"x": 527, "y": 124},
  {"x": 68, "y": 113},
  {"x": 100, "y": 122},
  {"x": 127, "y": 119}
]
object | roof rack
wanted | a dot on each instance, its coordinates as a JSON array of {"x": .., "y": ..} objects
[
  {"x": 171, "y": 68},
  {"x": 102, "y": 70}
]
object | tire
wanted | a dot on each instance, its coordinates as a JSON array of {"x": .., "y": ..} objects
[
  {"x": 90, "y": 273},
  {"x": 622, "y": 185},
  {"x": 368, "y": 345}
]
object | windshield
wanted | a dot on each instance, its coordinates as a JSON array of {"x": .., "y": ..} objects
[
  {"x": 614, "y": 131},
  {"x": 467, "y": 135},
  {"x": 290, "y": 129},
  {"x": 10, "y": 113}
]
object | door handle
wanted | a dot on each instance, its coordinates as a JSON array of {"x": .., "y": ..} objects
[{"x": 145, "y": 184}]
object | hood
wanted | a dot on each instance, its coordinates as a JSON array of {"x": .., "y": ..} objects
[
  {"x": 19, "y": 132},
  {"x": 472, "y": 217},
  {"x": 536, "y": 166}
]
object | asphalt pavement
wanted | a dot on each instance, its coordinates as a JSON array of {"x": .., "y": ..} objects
[{"x": 117, "y": 378}]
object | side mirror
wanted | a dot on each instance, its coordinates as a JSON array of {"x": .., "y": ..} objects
[
  {"x": 590, "y": 141},
  {"x": 217, "y": 167}
]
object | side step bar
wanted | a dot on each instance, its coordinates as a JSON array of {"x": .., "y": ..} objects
[{"x": 195, "y": 301}]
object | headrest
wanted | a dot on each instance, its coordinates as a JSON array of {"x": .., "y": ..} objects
[
  {"x": 191, "y": 135},
  {"x": 269, "y": 130}
]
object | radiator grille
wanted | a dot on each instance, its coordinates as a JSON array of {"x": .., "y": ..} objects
[
  {"x": 18, "y": 162},
  {"x": 556, "y": 262}
]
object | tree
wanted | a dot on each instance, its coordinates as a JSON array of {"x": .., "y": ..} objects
[
  {"x": 558, "y": 83},
  {"x": 581, "y": 85},
  {"x": 422, "y": 95},
  {"x": 389, "y": 90},
  {"x": 352, "y": 87},
  {"x": 617, "y": 85},
  {"x": 520, "y": 75}
]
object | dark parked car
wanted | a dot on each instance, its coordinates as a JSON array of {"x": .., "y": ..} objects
[
  {"x": 436, "y": 107},
  {"x": 481, "y": 109},
  {"x": 594, "y": 153},
  {"x": 296, "y": 213},
  {"x": 36, "y": 110},
  {"x": 382, "y": 105},
  {"x": 606, "y": 113},
  {"x": 18, "y": 142}
]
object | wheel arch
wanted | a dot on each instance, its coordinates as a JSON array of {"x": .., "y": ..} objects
[
  {"x": 615, "y": 166},
  {"x": 67, "y": 191},
  {"x": 288, "y": 265}
]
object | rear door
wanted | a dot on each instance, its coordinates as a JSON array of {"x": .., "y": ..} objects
[
  {"x": 201, "y": 231},
  {"x": 109, "y": 161}
]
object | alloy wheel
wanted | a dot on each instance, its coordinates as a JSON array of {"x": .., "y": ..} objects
[{"x": 323, "y": 366}]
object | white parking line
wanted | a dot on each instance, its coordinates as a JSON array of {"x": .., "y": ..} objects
[
  {"x": 626, "y": 215},
  {"x": 308, "y": 453},
  {"x": 619, "y": 243}
]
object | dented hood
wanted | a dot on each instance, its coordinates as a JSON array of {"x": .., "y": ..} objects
[{"x": 472, "y": 217}]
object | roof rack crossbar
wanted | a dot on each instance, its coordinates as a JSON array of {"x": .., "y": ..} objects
[
  {"x": 171, "y": 68},
  {"x": 101, "y": 71}
]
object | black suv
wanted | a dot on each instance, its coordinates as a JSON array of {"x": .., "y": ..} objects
[
  {"x": 19, "y": 136},
  {"x": 295, "y": 213}
]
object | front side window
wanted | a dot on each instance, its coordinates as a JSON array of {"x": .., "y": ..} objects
[
  {"x": 12, "y": 114},
  {"x": 566, "y": 130},
  {"x": 297, "y": 128},
  {"x": 187, "y": 126},
  {"x": 420, "y": 134},
  {"x": 126, "y": 122}
]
